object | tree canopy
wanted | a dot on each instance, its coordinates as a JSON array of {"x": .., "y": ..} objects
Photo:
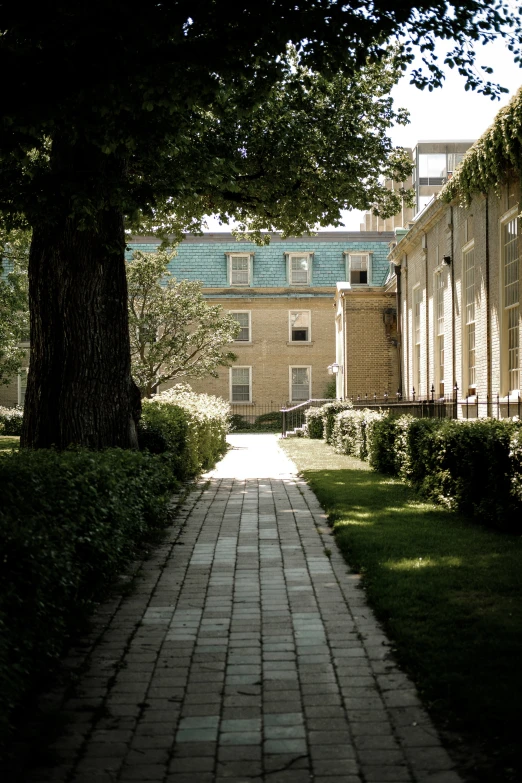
[
  {"x": 174, "y": 332},
  {"x": 271, "y": 113}
]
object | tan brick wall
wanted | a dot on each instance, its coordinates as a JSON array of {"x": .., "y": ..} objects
[
  {"x": 271, "y": 353},
  {"x": 455, "y": 230},
  {"x": 371, "y": 359}
]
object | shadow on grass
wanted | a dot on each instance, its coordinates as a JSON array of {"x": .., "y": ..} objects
[{"x": 448, "y": 592}]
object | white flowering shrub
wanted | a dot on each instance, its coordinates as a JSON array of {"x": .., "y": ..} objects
[
  {"x": 11, "y": 420},
  {"x": 351, "y": 432},
  {"x": 329, "y": 412},
  {"x": 191, "y": 427},
  {"x": 515, "y": 457}
]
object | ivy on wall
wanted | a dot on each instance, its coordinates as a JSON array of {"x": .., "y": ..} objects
[{"x": 496, "y": 153}]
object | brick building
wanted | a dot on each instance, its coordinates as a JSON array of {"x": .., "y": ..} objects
[
  {"x": 458, "y": 291},
  {"x": 282, "y": 294}
]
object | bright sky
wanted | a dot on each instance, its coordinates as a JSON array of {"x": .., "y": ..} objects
[{"x": 447, "y": 113}]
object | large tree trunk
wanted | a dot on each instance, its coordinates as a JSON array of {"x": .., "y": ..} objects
[{"x": 80, "y": 389}]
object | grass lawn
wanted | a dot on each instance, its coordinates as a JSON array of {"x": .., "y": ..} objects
[
  {"x": 448, "y": 593},
  {"x": 9, "y": 442}
]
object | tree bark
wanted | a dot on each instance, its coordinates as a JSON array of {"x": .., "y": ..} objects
[{"x": 80, "y": 390}]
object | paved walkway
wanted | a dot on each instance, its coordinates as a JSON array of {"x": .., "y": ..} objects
[{"x": 246, "y": 654}]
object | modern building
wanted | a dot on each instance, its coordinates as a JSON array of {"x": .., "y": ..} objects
[{"x": 433, "y": 165}]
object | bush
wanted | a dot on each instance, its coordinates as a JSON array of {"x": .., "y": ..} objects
[
  {"x": 238, "y": 422},
  {"x": 193, "y": 427},
  {"x": 351, "y": 430},
  {"x": 314, "y": 424},
  {"x": 329, "y": 411},
  {"x": 11, "y": 421},
  {"x": 69, "y": 523},
  {"x": 269, "y": 422},
  {"x": 473, "y": 466},
  {"x": 388, "y": 444}
]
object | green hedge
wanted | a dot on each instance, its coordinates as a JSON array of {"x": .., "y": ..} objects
[
  {"x": 314, "y": 423},
  {"x": 473, "y": 466},
  {"x": 11, "y": 421},
  {"x": 330, "y": 411},
  {"x": 191, "y": 428},
  {"x": 351, "y": 432},
  {"x": 69, "y": 522}
]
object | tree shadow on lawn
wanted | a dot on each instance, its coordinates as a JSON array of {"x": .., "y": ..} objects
[{"x": 448, "y": 592}]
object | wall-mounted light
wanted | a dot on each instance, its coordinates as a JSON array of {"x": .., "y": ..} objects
[
  {"x": 333, "y": 369},
  {"x": 446, "y": 260}
]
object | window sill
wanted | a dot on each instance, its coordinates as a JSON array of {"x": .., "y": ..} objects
[
  {"x": 237, "y": 343},
  {"x": 300, "y": 342},
  {"x": 513, "y": 398},
  {"x": 240, "y": 402}
]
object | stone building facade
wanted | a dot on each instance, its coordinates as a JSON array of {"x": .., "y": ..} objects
[
  {"x": 283, "y": 296},
  {"x": 458, "y": 293}
]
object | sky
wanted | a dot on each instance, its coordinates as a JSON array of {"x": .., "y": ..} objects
[{"x": 446, "y": 113}]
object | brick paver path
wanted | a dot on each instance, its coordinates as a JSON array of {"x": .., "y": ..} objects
[{"x": 247, "y": 653}]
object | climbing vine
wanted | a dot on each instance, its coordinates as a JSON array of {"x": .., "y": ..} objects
[{"x": 488, "y": 162}]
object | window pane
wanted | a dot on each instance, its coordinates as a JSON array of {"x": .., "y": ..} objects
[
  {"x": 239, "y": 270},
  {"x": 433, "y": 165},
  {"x": 299, "y": 269},
  {"x": 359, "y": 270},
  {"x": 300, "y": 326},
  {"x": 240, "y": 384},
  {"x": 243, "y": 321},
  {"x": 300, "y": 383}
]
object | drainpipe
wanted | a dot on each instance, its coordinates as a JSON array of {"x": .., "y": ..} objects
[
  {"x": 488, "y": 312},
  {"x": 453, "y": 300},
  {"x": 398, "y": 304}
]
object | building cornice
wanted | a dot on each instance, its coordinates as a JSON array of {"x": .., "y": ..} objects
[
  {"x": 422, "y": 224},
  {"x": 223, "y": 237}
]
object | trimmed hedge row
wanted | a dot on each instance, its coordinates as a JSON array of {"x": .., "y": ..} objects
[
  {"x": 473, "y": 466},
  {"x": 69, "y": 523},
  {"x": 190, "y": 428}
]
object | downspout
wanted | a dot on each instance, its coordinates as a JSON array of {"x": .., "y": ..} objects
[
  {"x": 488, "y": 312},
  {"x": 398, "y": 272},
  {"x": 453, "y": 300},
  {"x": 427, "y": 319}
]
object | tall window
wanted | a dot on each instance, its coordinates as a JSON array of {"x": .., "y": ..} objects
[
  {"x": 241, "y": 384},
  {"x": 22, "y": 386},
  {"x": 468, "y": 308},
  {"x": 511, "y": 303},
  {"x": 300, "y": 386},
  {"x": 299, "y": 326},
  {"x": 239, "y": 269},
  {"x": 417, "y": 303},
  {"x": 299, "y": 268},
  {"x": 243, "y": 319},
  {"x": 439, "y": 332},
  {"x": 358, "y": 272}
]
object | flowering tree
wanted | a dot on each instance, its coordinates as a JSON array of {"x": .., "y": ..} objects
[
  {"x": 174, "y": 332},
  {"x": 14, "y": 307}
]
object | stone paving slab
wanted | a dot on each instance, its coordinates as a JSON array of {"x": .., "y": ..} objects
[{"x": 247, "y": 653}]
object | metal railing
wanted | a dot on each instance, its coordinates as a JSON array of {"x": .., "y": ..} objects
[
  {"x": 450, "y": 406},
  {"x": 294, "y": 417}
]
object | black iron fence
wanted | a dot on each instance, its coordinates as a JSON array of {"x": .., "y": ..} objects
[
  {"x": 256, "y": 418},
  {"x": 452, "y": 406}
]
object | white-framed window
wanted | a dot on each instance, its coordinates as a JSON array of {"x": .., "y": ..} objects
[
  {"x": 300, "y": 383},
  {"x": 244, "y": 319},
  {"x": 241, "y": 384},
  {"x": 469, "y": 317},
  {"x": 358, "y": 268},
  {"x": 417, "y": 308},
  {"x": 299, "y": 268},
  {"x": 300, "y": 326},
  {"x": 22, "y": 385},
  {"x": 510, "y": 293},
  {"x": 239, "y": 269},
  {"x": 439, "y": 287}
]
